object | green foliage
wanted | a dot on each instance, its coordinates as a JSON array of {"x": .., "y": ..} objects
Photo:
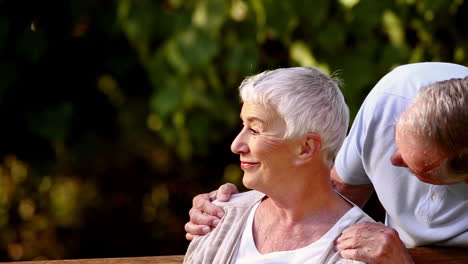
[
  {"x": 52, "y": 123},
  {"x": 116, "y": 113}
]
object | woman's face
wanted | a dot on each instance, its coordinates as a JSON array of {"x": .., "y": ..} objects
[{"x": 266, "y": 157}]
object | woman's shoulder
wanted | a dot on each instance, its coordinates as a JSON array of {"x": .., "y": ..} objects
[
  {"x": 242, "y": 199},
  {"x": 358, "y": 215}
]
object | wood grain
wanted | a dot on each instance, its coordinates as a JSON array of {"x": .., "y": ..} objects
[
  {"x": 175, "y": 259},
  {"x": 439, "y": 255},
  {"x": 421, "y": 255}
]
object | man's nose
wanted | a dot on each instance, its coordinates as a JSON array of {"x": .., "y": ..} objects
[{"x": 397, "y": 160}]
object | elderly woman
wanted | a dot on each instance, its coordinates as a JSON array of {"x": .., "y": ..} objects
[{"x": 295, "y": 120}]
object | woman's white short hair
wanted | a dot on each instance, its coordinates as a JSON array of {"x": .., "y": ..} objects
[
  {"x": 439, "y": 116},
  {"x": 307, "y": 99}
]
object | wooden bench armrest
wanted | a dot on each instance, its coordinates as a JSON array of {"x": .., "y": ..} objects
[
  {"x": 175, "y": 259},
  {"x": 421, "y": 255},
  {"x": 442, "y": 255}
]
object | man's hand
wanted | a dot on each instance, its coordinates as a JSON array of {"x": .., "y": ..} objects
[
  {"x": 372, "y": 243},
  {"x": 204, "y": 215}
]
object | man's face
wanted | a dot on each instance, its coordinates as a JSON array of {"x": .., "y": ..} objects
[{"x": 421, "y": 159}]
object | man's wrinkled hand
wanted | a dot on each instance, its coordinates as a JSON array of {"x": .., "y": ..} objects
[
  {"x": 372, "y": 243},
  {"x": 204, "y": 215}
]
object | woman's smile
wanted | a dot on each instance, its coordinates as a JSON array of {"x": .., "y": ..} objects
[{"x": 247, "y": 165}]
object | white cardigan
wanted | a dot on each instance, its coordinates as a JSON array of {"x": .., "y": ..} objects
[{"x": 221, "y": 244}]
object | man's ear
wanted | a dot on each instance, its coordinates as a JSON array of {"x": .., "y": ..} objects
[{"x": 310, "y": 147}]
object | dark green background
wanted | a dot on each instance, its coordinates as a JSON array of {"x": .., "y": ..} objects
[{"x": 114, "y": 114}]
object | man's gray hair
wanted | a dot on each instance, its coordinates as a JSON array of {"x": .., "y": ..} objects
[
  {"x": 307, "y": 99},
  {"x": 439, "y": 116}
]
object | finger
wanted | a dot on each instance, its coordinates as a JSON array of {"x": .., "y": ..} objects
[
  {"x": 342, "y": 243},
  {"x": 189, "y": 236},
  {"x": 351, "y": 231},
  {"x": 363, "y": 229},
  {"x": 225, "y": 191},
  {"x": 197, "y": 217},
  {"x": 212, "y": 195},
  {"x": 195, "y": 230},
  {"x": 349, "y": 235},
  {"x": 357, "y": 254},
  {"x": 203, "y": 203},
  {"x": 359, "y": 239},
  {"x": 349, "y": 243}
]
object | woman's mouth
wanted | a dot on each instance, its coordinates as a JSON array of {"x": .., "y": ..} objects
[{"x": 247, "y": 165}]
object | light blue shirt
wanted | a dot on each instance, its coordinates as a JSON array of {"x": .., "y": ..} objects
[{"x": 421, "y": 213}]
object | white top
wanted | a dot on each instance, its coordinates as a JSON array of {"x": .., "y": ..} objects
[
  {"x": 311, "y": 254},
  {"x": 421, "y": 213}
]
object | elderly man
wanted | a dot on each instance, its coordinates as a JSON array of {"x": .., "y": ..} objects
[{"x": 409, "y": 143}]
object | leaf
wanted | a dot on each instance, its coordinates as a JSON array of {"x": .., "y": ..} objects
[
  {"x": 201, "y": 130},
  {"x": 209, "y": 15},
  {"x": 367, "y": 15},
  {"x": 311, "y": 13},
  {"x": 8, "y": 74},
  {"x": 53, "y": 122},
  {"x": 191, "y": 49},
  {"x": 167, "y": 98},
  {"x": 242, "y": 57},
  {"x": 393, "y": 27},
  {"x": 332, "y": 36},
  {"x": 281, "y": 19}
]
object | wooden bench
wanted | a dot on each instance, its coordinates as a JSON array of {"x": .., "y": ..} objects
[
  {"x": 446, "y": 255},
  {"x": 176, "y": 259},
  {"x": 421, "y": 255}
]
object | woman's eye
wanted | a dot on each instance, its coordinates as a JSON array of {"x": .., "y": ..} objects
[
  {"x": 250, "y": 129},
  {"x": 253, "y": 131}
]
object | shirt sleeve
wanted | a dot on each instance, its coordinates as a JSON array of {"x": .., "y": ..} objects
[
  {"x": 366, "y": 152},
  {"x": 349, "y": 162}
]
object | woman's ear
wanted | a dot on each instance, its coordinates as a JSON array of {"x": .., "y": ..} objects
[{"x": 310, "y": 147}]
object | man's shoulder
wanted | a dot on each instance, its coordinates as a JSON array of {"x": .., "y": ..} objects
[{"x": 406, "y": 80}]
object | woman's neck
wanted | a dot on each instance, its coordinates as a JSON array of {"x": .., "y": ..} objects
[
  {"x": 303, "y": 192},
  {"x": 305, "y": 204},
  {"x": 288, "y": 221}
]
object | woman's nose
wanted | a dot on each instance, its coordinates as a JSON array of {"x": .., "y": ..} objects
[{"x": 239, "y": 145}]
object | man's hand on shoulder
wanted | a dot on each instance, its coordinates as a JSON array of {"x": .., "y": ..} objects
[
  {"x": 204, "y": 215},
  {"x": 372, "y": 243}
]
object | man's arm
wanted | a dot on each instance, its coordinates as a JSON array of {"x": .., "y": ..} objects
[
  {"x": 204, "y": 215},
  {"x": 367, "y": 242},
  {"x": 358, "y": 194}
]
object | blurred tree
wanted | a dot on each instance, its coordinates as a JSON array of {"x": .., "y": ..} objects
[{"x": 116, "y": 113}]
